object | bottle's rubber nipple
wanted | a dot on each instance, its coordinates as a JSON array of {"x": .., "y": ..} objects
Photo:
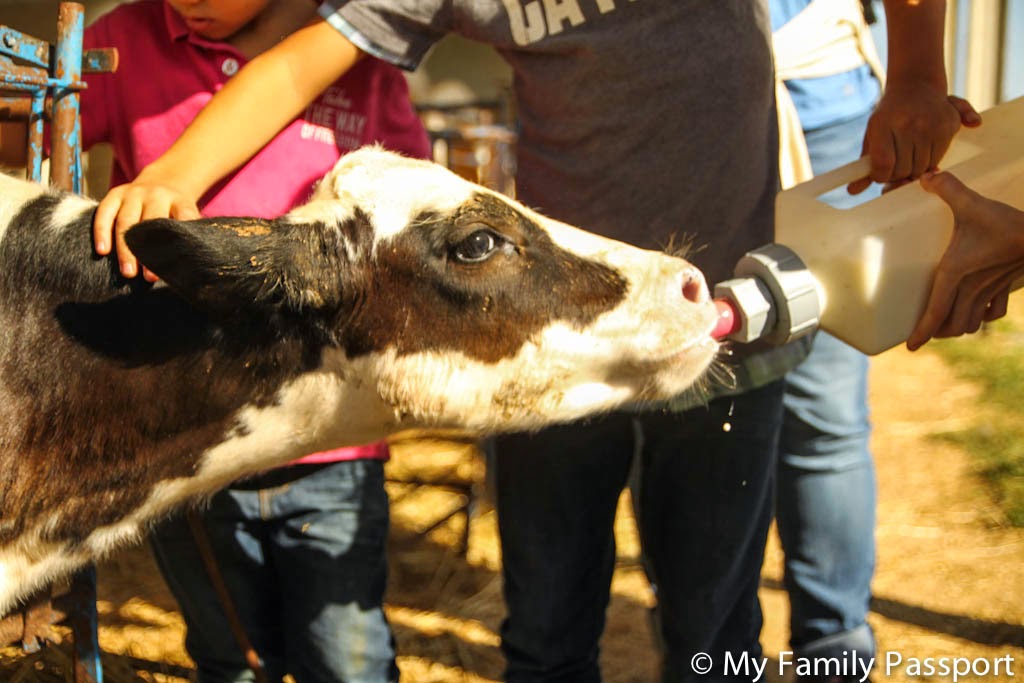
[{"x": 727, "y": 319}]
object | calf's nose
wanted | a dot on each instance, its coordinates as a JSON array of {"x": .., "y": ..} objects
[{"x": 695, "y": 289}]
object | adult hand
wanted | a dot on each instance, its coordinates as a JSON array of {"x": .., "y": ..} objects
[
  {"x": 124, "y": 206},
  {"x": 910, "y": 132},
  {"x": 985, "y": 256}
]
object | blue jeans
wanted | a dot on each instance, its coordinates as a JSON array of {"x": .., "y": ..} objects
[
  {"x": 826, "y": 482},
  {"x": 704, "y": 507},
  {"x": 302, "y": 551}
]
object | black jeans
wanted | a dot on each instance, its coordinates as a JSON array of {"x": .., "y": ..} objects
[{"x": 704, "y": 504}]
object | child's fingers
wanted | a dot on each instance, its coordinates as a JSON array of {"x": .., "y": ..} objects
[
  {"x": 140, "y": 206},
  {"x": 103, "y": 220},
  {"x": 178, "y": 208},
  {"x": 128, "y": 214},
  {"x": 128, "y": 264},
  {"x": 969, "y": 116},
  {"x": 184, "y": 210},
  {"x": 858, "y": 186},
  {"x": 126, "y": 205}
]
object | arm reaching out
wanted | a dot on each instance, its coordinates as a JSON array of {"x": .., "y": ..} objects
[
  {"x": 985, "y": 256},
  {"x": 256, "y": 104},
  {"x": 916, "y": 119}
]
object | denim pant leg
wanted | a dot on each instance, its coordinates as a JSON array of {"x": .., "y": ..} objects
[
  {"x": 826, "y": 502},
  {"x": 327, "y": 541},
  {"x": 557, "y": 492},
  {"x": 305, "y": 565},
  {"x": 705, "y": 505},
  {"x": 232, "y": 523},
  {"x": 826, "y": 488}
]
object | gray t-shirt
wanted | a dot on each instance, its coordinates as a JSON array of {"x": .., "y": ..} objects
[{"x": 639, "y": 119}]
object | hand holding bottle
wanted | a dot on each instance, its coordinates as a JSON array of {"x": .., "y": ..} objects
[{"x": 976, "y": 273}]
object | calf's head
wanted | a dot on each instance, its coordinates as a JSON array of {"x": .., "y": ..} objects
[{"x": 440, "y": 303}]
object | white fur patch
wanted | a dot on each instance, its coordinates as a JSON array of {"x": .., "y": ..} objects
[
  {"x": 392, "y": 189},
  {"x": 70, "y": 209}
]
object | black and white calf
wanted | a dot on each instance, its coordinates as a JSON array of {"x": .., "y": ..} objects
[{"x": 399, "y": 296}]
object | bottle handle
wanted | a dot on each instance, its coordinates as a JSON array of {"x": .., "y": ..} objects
[{"x": 838, "y": 177}]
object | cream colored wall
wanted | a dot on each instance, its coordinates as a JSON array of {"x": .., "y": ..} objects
[{"x": 457, "y": 70}]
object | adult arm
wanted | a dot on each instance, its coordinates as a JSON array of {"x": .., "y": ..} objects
[
  {"x": 984, "y": 257},
  {"x": 252, "y": 107},
  {"x": 915, "y": 120}
]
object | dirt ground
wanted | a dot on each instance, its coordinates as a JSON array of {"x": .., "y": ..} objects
[{"x": 949, "y": 581}]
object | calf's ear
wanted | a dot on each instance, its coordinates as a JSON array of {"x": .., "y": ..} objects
[{"x": 237, "y": 265}]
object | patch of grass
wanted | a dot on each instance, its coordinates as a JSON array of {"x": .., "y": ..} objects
[
  {"x": 995, "y": 362},
  {"x": 999, "y": 453}
]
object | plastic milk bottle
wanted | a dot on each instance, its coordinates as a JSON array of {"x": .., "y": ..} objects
[{"x": 864, "y": 273}]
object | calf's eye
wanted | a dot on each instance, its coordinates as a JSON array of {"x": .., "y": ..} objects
[{"x": 478, "y": 246}]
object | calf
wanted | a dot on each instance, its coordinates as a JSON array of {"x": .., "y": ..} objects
[{"x": 400, "y": 296}]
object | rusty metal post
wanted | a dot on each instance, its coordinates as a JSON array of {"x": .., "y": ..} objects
[
  {"x": 83, "y": 620},
  {"x": 66, "y": 173},
  {"x": 50, "y": 82},
  {"x": 66, "y": 140},
  {"x": 35, "y": 135}
]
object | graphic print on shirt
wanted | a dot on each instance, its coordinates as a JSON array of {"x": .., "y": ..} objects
[
  {"x": 332, "y": 120},
  {"x": 534, "y": 20}
]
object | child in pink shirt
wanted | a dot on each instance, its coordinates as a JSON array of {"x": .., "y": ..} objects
[{"x": 301, "y": 547}]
